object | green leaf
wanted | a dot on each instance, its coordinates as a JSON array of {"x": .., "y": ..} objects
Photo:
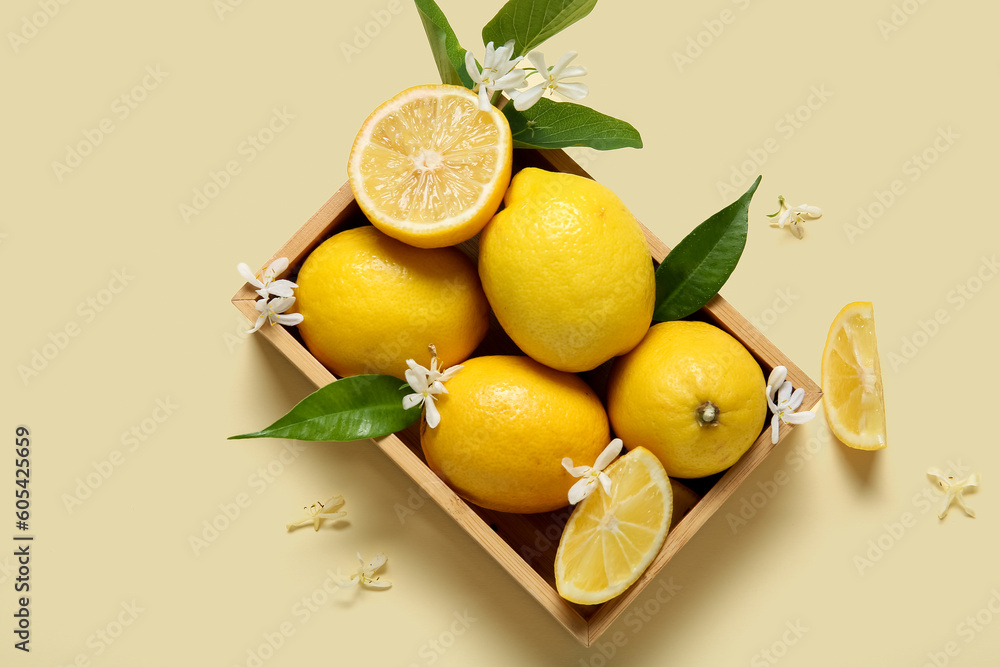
[
  {"x": 357, "y": 407},
  {"x": 550, "y": 124},
  {"x": 449, "y": 56},
  {"x": 531, "y": 22},
  {"x": 694, "y": 272}
]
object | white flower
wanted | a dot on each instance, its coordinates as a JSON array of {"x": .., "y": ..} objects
[
  {"x": 953, "y": 491},
  {"x": 319, "y": 511},
  {"x": 272, "y": 310},
  {"x": 592, "y": 475},
  {"x": 427, "y": 383},
  {"x": 265, "y": 283},
  {"x": 497, "y": 72},
  {"x": 554, "y": 80},
  {"x": 793, "y": 217},
  {"x": 785, "y": 403},
  {"x": 365, "y": 575}
]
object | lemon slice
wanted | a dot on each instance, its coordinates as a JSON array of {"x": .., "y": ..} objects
[
  {"x": 852, "y": 379},
  {"x": 429, "y": 168},
  {"x": 609, "y": 541}
]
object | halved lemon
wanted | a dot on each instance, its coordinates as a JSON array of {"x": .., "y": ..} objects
[
  {"x": 610, "y": 540},
  {"x": 852, "y": 379},
  {"x": 429, "y": 168}
]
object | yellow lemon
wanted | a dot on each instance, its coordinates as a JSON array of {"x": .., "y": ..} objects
[
  {"x": 610, "y": 540},
  {"x": 852, "y": 379},
  {"x": 429, "y": 168},
  {"x": 691, "y": 394},
  {"x": 369, "y": 303},
  {"x": 567, "y": 270},
  {"x": 506, "y": 424}
]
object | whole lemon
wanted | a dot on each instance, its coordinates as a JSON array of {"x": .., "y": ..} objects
[
  {"x": 370, "y": 302},
  {"x": 506, "y": 424},
  {"x": 567, "y": 270},
  {"x": 691, "y": 394}
]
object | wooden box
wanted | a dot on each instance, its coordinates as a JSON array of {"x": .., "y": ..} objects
[{"x": 512, "y": 539}]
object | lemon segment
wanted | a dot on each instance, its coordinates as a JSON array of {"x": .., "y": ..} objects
[
  {"x": 429, "y": 168},
  {"x": 853, "y": 399},
  {"x": 609, "y": 541}
]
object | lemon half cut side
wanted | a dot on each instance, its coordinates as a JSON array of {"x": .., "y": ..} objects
[
  {"x": 853, "y": 399},
  {"x": 430, "y": 169},
  {"x": 610, "y": 540}
]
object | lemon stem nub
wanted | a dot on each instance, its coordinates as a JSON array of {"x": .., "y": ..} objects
[{"x": 708, "y": 414}]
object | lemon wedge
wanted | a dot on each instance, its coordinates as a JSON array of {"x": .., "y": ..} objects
[
  {"x": 610, "y": 540},
  {"x": 430, "y": 169},
  {"x": 852, "y": 379}
]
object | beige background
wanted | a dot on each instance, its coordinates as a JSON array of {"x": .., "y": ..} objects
[{"x": 170, "y": 335}]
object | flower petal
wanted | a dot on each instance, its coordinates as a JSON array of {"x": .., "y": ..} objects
[
  {"x": 796, "y": 398},
  {"x": 784, "y": 393},
  {"x": 412, "y": 400},
  {"x": 291, "y": 319},
  {"x": 570, "y": 72},
  {"x": 282, "y": 288},
  {"x": 537, "y": 59},
  {"x": 574, "y": 91},
  {"x": 608, "y": 455},
  {"x": 259, "y": 323},
  {"x": 526, "y": 99},
  {"x": 376, "y": 562},
  {"x": 248, "y": 275},
  {"x": 278, "y": 266},
  {"x": 576, "y": 471},
  {"x": 377, "y": 583},
  {"x": 472, "y": 68},
  {"x": 431, "y": 414},
  {"x": 775, "y": 425},
  {"x": 281, "y": 304},
  {"x": 484, "y": 97},
  {"x": 558, "y": 68},
  {"x": 775, "y": 379},
  {"x": 605, "y": 482},
  {"x": 449, "y": 373},
  {"x": 580, "y": 490},
  {"x": 798, "y": 417},
  {"x": 514, "y": 79},
  {"x": 416, "y": 380}
]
